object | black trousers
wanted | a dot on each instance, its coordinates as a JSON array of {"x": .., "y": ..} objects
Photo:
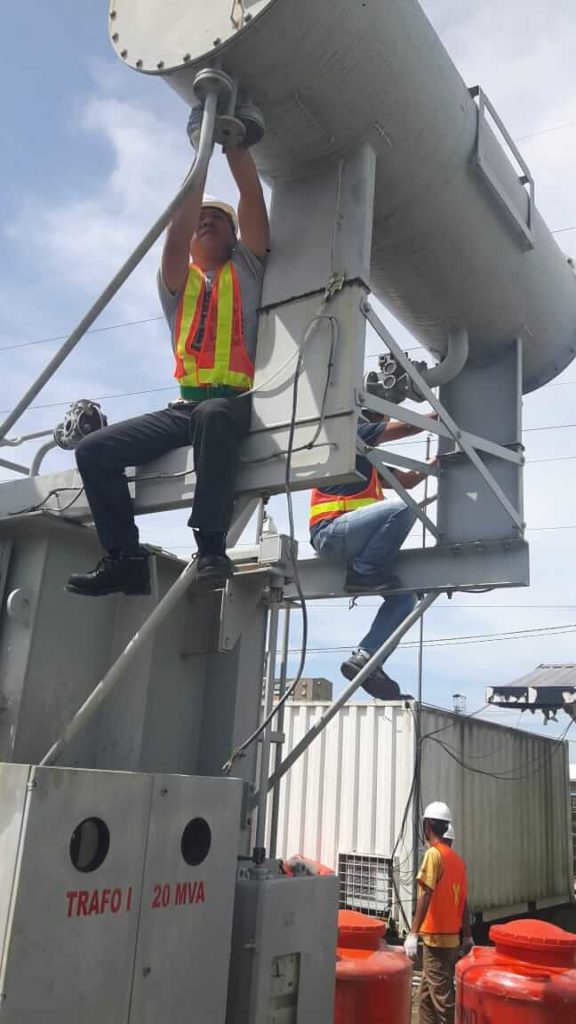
[{"x": 214, "y": 427}]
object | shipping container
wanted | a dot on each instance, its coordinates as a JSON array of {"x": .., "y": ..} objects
[{"x": 349, "y": 802}]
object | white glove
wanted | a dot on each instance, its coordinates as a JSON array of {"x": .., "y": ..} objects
[
  {"x": 467, "y": 944},
  {"x": 411, "y": 946}
]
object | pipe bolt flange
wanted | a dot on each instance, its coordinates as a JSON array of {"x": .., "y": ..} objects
[
  {"x": 253, "y": 121},
  {"x": 212, "y": 78},
  {"x": 229, "y": 131}
]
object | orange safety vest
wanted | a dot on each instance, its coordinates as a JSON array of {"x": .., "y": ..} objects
[
  {"x": 444, "y": 915},
  {"x": 221, "y": 358},
  {"x": 330, "y": 506}
]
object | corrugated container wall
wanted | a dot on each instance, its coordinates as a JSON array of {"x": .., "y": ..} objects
[{"x": 509, "y": 792}]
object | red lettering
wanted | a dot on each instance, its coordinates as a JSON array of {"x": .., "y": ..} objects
[
  {"x": 129, "y": 899},
  {"x": 105, "y": 900},
  {"x": 181, "y": 893},
  {"x": 165, "y": 895},
  {"x": 157, "y": 897},
  {"x": 94, "y": 906},
  {"x": 116, "y": 901},
  {"x": 71, "y": 896},
  {"x": 200, "y": 896},
  {"x": 82, "y": 909}
]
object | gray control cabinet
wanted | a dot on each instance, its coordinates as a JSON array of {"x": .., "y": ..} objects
[
  {"x": 116, "y": 896},
  {"x": 283, "y": 966}
]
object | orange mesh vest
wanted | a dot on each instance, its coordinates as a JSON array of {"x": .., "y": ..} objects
[
  {"x": 220, "y": 358},
  {"x": 330, "y": 506},
  {"x": 444, "y": 915}
]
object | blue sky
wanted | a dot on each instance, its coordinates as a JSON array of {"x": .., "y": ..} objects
[{"x": 92, "y": 151}]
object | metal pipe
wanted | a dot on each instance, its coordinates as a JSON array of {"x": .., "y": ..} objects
[
  {"x": 260, "y": 841},
  {"x": 16, "y": 466},
  {"x": 374, "y": 662},
  {"x": 40, "y": 456},
  {"x": 14, "y": 442},
  {"x": 418, "y": 715},
  {"x": 114, "y": 673},
  {"x": 453, "y": 363},
  {"x": 195, "y": 175},
  {"x": 277, "y": 757},
  {"x": 244, "y": 508}
]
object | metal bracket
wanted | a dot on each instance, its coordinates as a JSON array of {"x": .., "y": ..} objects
[
  {"x": 241, "y": 597},
  {"x": 462, "y": 439},
  {"x": 401, "y": 491}
]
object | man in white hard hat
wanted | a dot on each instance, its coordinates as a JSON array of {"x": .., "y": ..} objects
[
  {"x": 441, "y": 915},
  {"x": 210, "y": 283}
]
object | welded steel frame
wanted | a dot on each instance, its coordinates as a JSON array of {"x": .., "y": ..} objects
[{"x": 467, "y": 443}]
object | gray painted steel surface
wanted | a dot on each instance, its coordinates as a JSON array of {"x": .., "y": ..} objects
[
  {"x": 68, "y": 937},
  {"x": 447, "y": 247},
  {"x": 140, "y": 933},
  {"x": 349, "y": 793}
]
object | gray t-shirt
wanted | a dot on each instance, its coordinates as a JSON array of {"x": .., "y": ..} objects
[{"x": 250, "y": 270}]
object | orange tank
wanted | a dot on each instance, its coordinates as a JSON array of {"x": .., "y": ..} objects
[
  {"x": 373, "y": 982},
  {"x": 528, "y": 978}
]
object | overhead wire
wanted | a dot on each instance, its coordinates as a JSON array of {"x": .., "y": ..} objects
[{"x": 471, "y": 638}]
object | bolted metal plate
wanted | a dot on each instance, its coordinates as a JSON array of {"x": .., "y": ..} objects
[
  {"x": 181, "y": 966},
  {"x": 152, "y": 35},
  {"x": 70, "y": 931}
]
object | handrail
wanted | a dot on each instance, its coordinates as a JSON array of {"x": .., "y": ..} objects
[{"x": 196, "y": 173}]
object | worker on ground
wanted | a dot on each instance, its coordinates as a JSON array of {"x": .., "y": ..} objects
[
  {"x": 357, "y": 524},
  {"x": 210, "y": 283},
  {"x": 441, "y": 916}
]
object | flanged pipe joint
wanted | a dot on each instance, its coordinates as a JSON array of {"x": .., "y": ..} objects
[
  {"x": 238, "y": 122},
  {"x": 394, "y": 384}
]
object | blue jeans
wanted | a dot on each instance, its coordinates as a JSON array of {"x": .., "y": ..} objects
[{"x": 368, "y": 540}]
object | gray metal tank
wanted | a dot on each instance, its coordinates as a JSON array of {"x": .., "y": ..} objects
[{"x": 457, "y": 240}]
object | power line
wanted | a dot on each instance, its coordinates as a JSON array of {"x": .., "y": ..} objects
[
  {"x": 546, "y": 131},
  {"x": 93, "y": 330},
  {"x": 472, "y": 638},
  {"x": 450, "y": 606}
]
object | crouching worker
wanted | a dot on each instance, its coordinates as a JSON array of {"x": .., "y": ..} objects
[
  {"x": 357, "y": 524},
  {"x": 210, "y": 284}
]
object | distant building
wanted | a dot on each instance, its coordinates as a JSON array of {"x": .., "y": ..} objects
[{"x": 316, "y": 688}]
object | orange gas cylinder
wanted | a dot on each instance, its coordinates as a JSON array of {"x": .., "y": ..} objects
[
  {"x": 373, "y": 983},
  {"x": 529, "y": 978}
]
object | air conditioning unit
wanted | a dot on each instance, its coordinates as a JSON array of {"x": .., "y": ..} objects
[{"x": 367, "y": 883}]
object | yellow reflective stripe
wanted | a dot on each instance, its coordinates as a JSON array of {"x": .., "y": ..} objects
[
  {"x": 192, "y": 290},
  {"x": 340, "y": 505}
]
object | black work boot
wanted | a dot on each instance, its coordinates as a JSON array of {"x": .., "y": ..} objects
[
  {"x": 378, "y": 684},
  {"x": 125, "y": 573},
  {"x": 212, "y": 571}
]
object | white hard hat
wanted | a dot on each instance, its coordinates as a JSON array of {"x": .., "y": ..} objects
[
  {"x": 449, "y": 833},
  {"x": 219, "y": 204},
  {"x": 438, "y": 811}
]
